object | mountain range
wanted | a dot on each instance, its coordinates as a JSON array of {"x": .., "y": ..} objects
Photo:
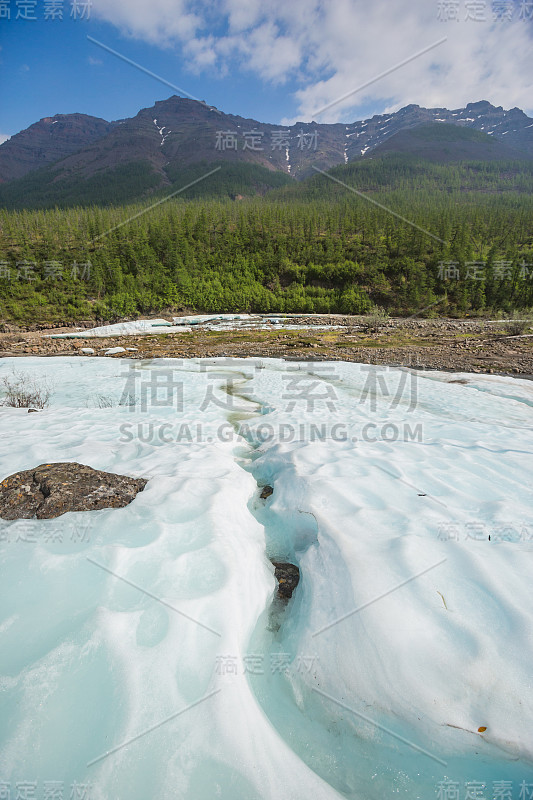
[{"x": 75, "y": 158}]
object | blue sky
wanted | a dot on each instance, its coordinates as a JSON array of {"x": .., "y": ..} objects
[
  {"x": 278, "y": 63},
  {"x": 50, "y": 67}
]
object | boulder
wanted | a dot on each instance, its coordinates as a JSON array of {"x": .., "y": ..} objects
[
  {"x": 288, "y": 577},
  {"x": 51, "y": 490},
  {"x": 267, "y": 491}
]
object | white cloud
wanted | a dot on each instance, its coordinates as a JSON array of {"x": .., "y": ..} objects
[
  {"x": 4, "y": 137},
  {"x": 160, "y": 22},
  {"x": 94, "y": 62},
  {"x": 330, "y": 47}
]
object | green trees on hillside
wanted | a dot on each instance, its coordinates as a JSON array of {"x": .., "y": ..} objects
[{"x": 463, "y": 254}]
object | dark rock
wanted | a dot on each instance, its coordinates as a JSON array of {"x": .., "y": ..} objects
[
  {"x": 288, "y": 577},
  {"x": 267, "y": 491},
  {"x": 49, "y": 140},
  {"x": 51, "y": 490}
]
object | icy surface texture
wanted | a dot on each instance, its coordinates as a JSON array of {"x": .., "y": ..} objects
[{"x": 143, "y": 652}]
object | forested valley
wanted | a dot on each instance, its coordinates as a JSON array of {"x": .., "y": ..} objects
[{"x": 432, "y": 240}]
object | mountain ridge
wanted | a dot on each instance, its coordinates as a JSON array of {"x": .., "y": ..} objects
[
  {"x": 444, "y": 143},
  {"x": 148, "y": 152},
  {"x": 43, "y": 143}
]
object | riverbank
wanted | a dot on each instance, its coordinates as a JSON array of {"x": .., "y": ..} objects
[{"x": 484, "y": 346}]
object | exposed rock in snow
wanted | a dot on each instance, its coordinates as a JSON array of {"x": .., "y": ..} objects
[
  {"x": 288, "y": 577},
  {"x": 51, "y": 490}
]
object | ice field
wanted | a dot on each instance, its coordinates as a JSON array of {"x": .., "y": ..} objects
[
  {"x": 213, "y": 322},
  {"x": 142, "y": 651}
]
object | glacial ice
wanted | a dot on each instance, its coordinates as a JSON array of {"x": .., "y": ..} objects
[
  {"x": 211, "y": 322},
  {"x": 142, "y": 654},
  {"x": 134, "y": 328}
]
